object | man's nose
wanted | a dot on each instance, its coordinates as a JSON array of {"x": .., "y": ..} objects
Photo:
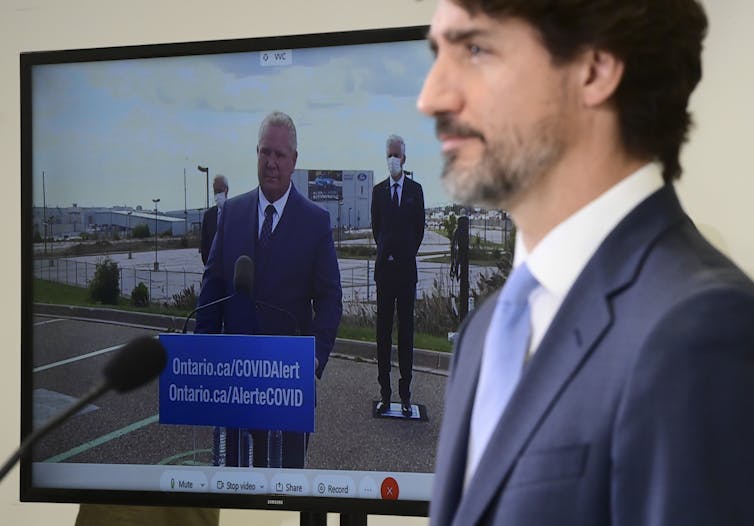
[{"x": 440, "y": 93}]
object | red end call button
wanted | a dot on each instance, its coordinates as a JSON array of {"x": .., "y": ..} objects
[{"x": 389, "y": 489}]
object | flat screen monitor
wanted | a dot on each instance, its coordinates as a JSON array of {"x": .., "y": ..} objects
[{"x": 120, "y": 147}]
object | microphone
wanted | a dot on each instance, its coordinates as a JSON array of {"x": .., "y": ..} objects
[
  {"x": 243, "y": 282},
  {"x": 243, "y": 275},
  {"x": 138, "y": 362}
]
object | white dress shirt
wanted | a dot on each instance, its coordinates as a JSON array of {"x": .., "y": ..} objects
[
  {"x": 400, "y": 187},
  {"x": 563, "y": 253}
]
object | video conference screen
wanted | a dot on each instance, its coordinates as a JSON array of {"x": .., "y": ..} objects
[{"x": 120, "y": 150}]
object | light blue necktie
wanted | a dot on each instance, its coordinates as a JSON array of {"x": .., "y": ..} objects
[{"x": 505, "y": 348}]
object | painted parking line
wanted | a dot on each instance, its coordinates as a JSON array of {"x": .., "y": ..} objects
[
  {"x": 86, "y": 446},
  {"x": 77, "y": 358},
  {"x": 47, "y": 322}
]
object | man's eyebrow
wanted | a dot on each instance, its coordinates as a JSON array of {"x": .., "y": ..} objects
[
  {"x": 462, "y": 35},
  {"x": 455, "y": 36}
]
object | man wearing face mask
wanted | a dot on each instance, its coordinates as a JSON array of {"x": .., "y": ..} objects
[
  {"x": 212, "y": 215},
  {"x": 398, "y": 229}
]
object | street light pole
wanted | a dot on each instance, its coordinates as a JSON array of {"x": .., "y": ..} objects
[
  {"x": 205, "y": 169},
  {"x": 130, "y": 234},
  {"x": 156, "y": 264}
]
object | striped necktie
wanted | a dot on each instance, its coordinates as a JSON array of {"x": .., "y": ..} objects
[{"x": 266, "y": 232}]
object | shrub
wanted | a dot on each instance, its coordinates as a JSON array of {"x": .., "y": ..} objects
[
  {"x": 488, "y": 283},
  {"x": 356, "y": 251},
  {"x": 359, "y": 314},
  {"x": 185, "y": 299},
  {"x": 140, "y": 295},
  {"x": 434, "y": 312},
  {"x": 105, "y": 286},
  {"x": 140, "y": 231}
]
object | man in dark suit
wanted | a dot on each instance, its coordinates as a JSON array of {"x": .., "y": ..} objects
[
  {"x": 611, "y": 381},
  {"x": 398, "y": 229},
  {"x": 296, "y": 281},
  {"x": 210, "y": 217}
]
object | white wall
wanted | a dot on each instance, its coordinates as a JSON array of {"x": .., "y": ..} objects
[{"x": 717, "y": 188}]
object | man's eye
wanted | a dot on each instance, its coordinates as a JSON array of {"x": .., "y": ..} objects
[{"x": 474, "y": 50}]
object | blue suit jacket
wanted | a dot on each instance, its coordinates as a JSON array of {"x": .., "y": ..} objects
[
  {"x": 638, "y": 406},
  {"x": 296, "y": 287}
]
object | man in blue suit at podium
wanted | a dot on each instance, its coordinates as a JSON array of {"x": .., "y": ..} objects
[{"x": 296, "y": 278}]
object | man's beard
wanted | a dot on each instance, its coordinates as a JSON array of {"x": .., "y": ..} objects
[{"x": 508, "y": 165}]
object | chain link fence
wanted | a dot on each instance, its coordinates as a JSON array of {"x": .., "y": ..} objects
[{"x": 162, "y": 284}]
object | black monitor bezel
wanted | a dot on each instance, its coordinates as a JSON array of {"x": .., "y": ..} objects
[{"x": 28, "y": 60}]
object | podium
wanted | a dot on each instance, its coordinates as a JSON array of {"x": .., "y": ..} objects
[{"x": 241, "y": 382}]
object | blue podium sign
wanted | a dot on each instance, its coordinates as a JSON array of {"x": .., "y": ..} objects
[{"x": 254, "y": 382}]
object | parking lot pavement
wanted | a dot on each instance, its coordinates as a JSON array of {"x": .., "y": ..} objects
[{"x": 69, "y": 355}]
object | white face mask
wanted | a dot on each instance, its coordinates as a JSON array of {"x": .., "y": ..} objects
[
  {"x": 394, "y": 166},
  {"x": 220, "y": 200}
]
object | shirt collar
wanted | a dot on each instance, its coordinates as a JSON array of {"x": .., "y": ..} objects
[
  {"x": 279, "y": 204},
  {"x": 563, "y": 253},
  {"x": 391, "y": 181}
]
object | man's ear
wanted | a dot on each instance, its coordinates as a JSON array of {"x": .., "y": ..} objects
[{"x": 601, "y": 74}]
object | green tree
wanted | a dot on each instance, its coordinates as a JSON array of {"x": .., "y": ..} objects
[
  {"x": 488, "y": 283},
  {"x": 105, "y": 286},
  {"x": 140, "y": 295},
  {"x": 449, "y": 224},
  {"x": 141, "y": 231}
]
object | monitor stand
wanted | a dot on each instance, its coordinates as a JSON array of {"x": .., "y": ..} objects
[{"x": 320, "y": 519}]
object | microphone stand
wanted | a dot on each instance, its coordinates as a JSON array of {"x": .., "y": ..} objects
[
  {"x": 290, "y": 315},
  {"x": 200, "y": 307},
  {"x": 52, "y": 424}
]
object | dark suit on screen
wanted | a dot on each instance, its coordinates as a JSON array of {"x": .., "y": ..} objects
[
  {"x": 296, "y": 285},
  {"x": 209, "y": 227},
  {"x": 398, "y": 233},
  {"x": 637, "y": 407}
]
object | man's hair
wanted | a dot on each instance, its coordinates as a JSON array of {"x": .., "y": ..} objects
[
  {"x": 660, "y": 44},
  {"x": 395, "y": 139},
  {"x": 222, "y": 179},
  {"x": 278, "y": 118}
]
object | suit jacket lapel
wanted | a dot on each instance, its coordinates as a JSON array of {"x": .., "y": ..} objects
[
  {"x": 452, "y": 449},
  {"x": 575, "y": 332},
  {"x": 250, "y": 241}
]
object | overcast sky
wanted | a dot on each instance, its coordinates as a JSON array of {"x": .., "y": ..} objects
[{"x": 122, "y": 132}]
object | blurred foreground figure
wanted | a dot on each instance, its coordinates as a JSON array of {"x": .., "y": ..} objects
[{"x": 611, "y": 381}]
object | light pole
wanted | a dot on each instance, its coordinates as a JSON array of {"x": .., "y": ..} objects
[
  {"x": 340, "y": 225},
  {"x": 349, "y": 218},
  {"x": 156, "y": 264},
  {"x": 130, "y": 234},
  {"x": 205, "y": 169}
]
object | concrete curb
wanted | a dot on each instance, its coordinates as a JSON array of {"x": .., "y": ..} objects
[{"x": 354, "y": 349}]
